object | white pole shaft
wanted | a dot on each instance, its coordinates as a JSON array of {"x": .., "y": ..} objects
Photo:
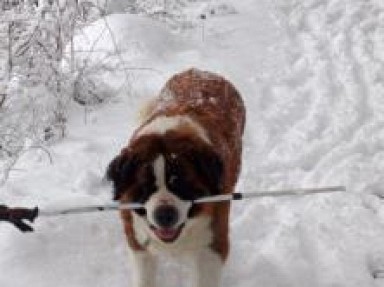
[
  {"x": 88, "y": 209},
  {"x": 275, "y": 193},
  {"x": 208, "y": 199}
]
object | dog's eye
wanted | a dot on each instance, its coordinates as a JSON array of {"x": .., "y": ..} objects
[
  {"x": 186, "y": 194},
  {"x": 191, "y": 193},
  {"x": 143, "y": 193},
  {"x": 183, "y": 189},
  {"x": 172, "y": 179},
  {"x": 176, "y": 184},
  {"x": 141, "y": 211}
]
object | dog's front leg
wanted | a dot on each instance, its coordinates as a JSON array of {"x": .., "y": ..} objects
[
  {"x": 207, "y": 268},
  {"x": 144, "y": 269}
]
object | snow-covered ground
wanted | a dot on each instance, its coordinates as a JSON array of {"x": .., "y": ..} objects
[{"x": 312, "y": 76}]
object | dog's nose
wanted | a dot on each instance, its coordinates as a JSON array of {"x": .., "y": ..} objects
[{"x": 166, "y": 216}]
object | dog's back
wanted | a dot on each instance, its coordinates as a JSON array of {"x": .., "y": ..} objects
[{"x": 214, "y": 103}]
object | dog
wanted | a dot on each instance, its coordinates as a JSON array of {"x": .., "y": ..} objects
[{"x": 187, "y": 146}]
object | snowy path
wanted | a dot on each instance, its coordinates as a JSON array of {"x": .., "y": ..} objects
[
  {"x": 312, "y": 75},
  {"x": 334, "y": 90}
]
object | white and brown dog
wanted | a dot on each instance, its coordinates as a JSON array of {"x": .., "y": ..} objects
[{"x": 188, "y": 146}]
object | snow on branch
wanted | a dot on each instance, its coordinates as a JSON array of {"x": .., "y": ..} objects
[{"x": 39, "y": 75}]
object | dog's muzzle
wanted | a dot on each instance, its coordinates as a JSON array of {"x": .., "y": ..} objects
[
  {"x": 167, "y": 226},
  {"x": 167, "y": 215}
]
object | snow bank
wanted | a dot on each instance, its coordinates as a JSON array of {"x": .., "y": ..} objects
[{"x": 132, "y": 37}]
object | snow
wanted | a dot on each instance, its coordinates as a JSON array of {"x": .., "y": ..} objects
[{"x": 312, "y": 76}]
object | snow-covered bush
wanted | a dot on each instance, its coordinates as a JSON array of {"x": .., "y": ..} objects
[
  {"x": 43, "y": 68},
  {"x": 38, "y": 73}
]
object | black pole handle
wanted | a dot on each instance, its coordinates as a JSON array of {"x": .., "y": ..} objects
[{"x": 17, "y": 215}]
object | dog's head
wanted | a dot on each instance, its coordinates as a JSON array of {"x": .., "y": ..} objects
[{"x": 165, "y": 173}]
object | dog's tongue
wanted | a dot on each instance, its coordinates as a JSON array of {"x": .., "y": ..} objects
[{"x": 167, "y": 234}]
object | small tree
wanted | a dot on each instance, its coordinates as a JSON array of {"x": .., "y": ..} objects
[{"x": 35, "y": 84}]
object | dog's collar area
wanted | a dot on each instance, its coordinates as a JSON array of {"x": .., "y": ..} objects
[{"x": 141, "y": 211}]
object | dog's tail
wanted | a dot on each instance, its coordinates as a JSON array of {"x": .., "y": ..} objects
[{"x": 146, "y": 110}]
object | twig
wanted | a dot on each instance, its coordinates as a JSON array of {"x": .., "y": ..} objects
[
  {"x": 2, "y": 99},
  {"x": 46, "y": 151},
  {"x": 117, "y": 50},
  {"x": 378, "y": 274},
  {"x": 15, "y": 159}
]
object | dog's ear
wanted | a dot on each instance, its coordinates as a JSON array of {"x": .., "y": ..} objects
[
  {"x": 210, "y": 166},
  {"x": 121, "y": 171}
]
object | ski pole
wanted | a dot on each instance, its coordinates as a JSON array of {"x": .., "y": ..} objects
[
  {"x": 91, "y": 208},
  {"x": 275, "y": 193},
  {"x": 207, "y": 199}
]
